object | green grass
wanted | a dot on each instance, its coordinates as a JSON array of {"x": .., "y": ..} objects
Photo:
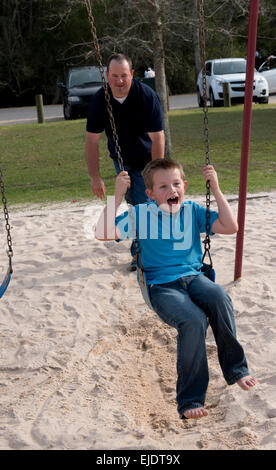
[
  {"x": 46, "y": 162},
  {"x": 225, "y": 136}
]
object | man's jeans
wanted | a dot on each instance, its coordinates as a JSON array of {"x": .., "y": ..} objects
[
  {"x": 189, "y": 304},
  {"x": 136, "y": 194}
]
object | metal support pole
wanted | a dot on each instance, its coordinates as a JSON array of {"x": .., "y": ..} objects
[{"x": 246, "y": 130}]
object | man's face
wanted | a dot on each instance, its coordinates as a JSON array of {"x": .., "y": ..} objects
[
  {"x": 168, "y": 189},
  {"x": 119, "y": 78}
]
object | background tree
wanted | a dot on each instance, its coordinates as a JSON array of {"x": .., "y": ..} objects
[{"x": 39, "y": 39}]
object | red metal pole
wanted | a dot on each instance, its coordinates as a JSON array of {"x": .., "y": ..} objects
[{"x": 247, "y": 115}]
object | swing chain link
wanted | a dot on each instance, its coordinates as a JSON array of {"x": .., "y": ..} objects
[
  {"x": 207, "y": 242},
  {"x": 111, "y": 117},
  {"x": 6, "y": 215},
  {"x": 107, "y": 96}
]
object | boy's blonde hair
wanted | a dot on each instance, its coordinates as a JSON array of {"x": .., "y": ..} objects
[{"x": 160, "y": 164}]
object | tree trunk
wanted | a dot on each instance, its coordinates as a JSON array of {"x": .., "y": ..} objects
[{"x": 160, "y": 76}]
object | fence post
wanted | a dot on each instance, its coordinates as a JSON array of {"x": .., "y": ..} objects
[
  {"x": 226, "y": 94},
  {"x": 39, "y": 108}
]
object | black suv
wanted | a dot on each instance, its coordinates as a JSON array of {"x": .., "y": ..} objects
[{"x": 81, "y": 84}]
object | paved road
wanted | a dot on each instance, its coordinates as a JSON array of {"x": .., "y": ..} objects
[
  {"x": 28, "y": 114},
  {"x": 25, "y": 115}
]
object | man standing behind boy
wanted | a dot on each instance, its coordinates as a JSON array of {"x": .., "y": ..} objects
[{"x": 139, "y": 124}]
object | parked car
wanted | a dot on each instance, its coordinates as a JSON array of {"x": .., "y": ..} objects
[
  {"x": 81, "y": 84},
  {"x": 268, "y": 71},
  {"x": 232, "y": 71}
]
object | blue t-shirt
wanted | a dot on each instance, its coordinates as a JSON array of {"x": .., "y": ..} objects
[
  {"x": 139, "y": 114},
  {"x": 171, "y": 245}
]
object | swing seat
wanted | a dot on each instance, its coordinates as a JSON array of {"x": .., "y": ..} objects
[
  {"x": 5, "y": 282},
  {"x": 208, "y": 271},
  {"x": 144, "y": 287},
  {"x": 141, "y": 276},
  {"x": 207, "y": 268}
]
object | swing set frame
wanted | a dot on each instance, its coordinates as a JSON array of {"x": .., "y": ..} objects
[{"x": 247, "y": 116}]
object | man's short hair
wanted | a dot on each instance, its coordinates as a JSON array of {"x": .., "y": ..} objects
[
  {"x": 119, "y": 58},
  {"x": 160, "y": 164}
]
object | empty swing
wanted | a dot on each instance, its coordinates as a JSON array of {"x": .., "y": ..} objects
[
  {"x": 207, "y": 267},
  {"x": 7, "y": 277}
]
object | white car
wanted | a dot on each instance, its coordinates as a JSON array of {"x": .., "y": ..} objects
[
  {"x": 231, "y": 71},
  {"x": 268, "y": 70}
]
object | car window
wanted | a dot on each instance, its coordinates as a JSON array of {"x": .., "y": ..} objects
[
  {"x": 80, "y": 77},
  {"x": 208, "y": 68},
  {"x": 272, "y": 63},
  {"x": 223, "y": 68},
  {"x": 269, "y": 64}
]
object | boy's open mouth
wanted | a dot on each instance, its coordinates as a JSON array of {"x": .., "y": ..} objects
[{"x": 172, "y": 200}]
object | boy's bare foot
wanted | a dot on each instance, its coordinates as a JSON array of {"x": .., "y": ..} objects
[
  {"x": 195, "y": 413},
  {"x": 247, "y": 382}
]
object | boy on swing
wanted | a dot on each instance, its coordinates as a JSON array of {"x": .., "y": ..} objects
[{"x": 168, "y": 229}]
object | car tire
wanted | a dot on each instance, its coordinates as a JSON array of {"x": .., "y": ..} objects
[
  {"x": 213, "y": 102},
  {"x": 263, "y": 100},
  {"x": 67, "y": 112},
  {"x": 83, "y": 115},
  {"x": 200, "y": 99}
]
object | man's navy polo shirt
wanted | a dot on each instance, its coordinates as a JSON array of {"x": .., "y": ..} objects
[{"x": 139, "y": 114}]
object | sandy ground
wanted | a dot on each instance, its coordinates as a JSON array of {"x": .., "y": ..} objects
[{"x": 84, "y": 364}]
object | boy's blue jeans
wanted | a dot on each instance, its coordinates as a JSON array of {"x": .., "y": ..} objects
[
  {"x": 136, "y": 194},
  {"x": 189, "y": 304}
]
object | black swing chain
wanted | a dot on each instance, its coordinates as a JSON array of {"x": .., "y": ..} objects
[
  {"x": 6, "y": 215},
  {"x": 207, "y": 242},
  {"x": 107, "y": 96},
  {"x": 110, "y": 113}
]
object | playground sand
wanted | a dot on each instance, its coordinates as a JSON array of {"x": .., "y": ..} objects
[{"x": 84, "y": 364}]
